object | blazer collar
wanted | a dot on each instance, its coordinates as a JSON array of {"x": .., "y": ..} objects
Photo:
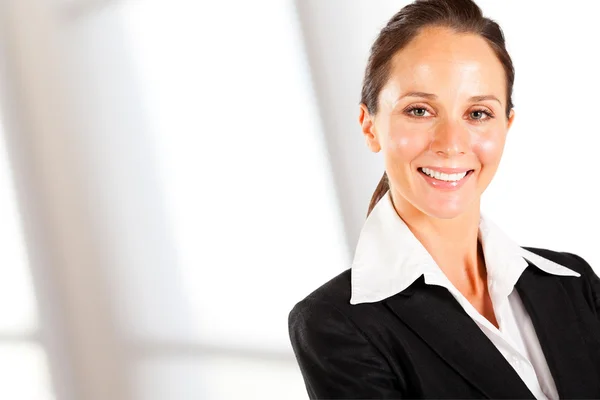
[
  {"x": 438, "y": 319},
  {"x": 389, "y": 258}
]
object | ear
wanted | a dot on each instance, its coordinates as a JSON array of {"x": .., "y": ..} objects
[
  {"x": 511, "y": 118},
  {"x": 368, "y": 129}
]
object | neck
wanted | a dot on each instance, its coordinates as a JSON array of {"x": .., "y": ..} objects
[{"x": 453, "y": 243}]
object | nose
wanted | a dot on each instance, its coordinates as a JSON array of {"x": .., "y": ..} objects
[{"x": 450, "y": 139}]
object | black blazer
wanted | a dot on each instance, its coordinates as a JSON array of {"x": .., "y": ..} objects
[{"x": 420, "y": 343}]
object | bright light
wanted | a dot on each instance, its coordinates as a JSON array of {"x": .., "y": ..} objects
[{"x": 18, "y": 314}]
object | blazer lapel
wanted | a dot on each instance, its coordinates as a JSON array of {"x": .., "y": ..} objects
[
  {"x": 558, "y": 330},
  {"x": 435, "y": 315}
]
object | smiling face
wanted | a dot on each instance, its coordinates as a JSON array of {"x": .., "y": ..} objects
[{"x": 443, "y": 109}]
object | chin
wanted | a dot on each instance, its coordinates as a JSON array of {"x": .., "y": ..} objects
[
  {"x": 446, "y": 210},
  {"x": 445, "y": 214}
]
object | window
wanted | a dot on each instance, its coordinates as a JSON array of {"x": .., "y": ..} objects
[
  {"x": 248, "y": 192},
  {"x": 23, "y": 364}
]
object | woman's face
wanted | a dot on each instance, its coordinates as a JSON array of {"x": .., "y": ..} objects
[{"x": 443, "y": 107}]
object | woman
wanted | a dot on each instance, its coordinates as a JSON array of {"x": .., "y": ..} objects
[{"x": 438, "y": 302}]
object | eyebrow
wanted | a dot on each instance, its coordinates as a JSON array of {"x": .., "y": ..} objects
[{"x": 432, "y": 96}]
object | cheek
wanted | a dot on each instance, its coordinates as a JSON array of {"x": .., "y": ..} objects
[
  {"x": 405, "y": 144},
  {"x": 489, "y": 147}
]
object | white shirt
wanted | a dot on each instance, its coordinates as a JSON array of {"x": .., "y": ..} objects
[{"x": 389, "y": 258}]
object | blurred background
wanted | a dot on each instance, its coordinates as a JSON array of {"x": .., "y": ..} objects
[{"x": 176, "y": 175}]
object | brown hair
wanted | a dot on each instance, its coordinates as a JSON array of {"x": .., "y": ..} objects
[{"x": 463, "y": 16}]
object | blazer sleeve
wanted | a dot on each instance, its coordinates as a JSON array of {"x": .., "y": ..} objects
[
  {"x": 336, "y": 359},
  {"x": 594, "y": 282}
]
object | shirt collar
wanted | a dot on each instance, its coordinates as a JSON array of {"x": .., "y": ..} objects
[{"x": 389, "y": 258}]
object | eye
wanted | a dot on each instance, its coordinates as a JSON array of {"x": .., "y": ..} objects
[
  {"x": 480, "y": 115},
  {"x": 418, "y": 112}
]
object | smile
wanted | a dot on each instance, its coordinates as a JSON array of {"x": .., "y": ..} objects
[{"x": 440, "y": 180}]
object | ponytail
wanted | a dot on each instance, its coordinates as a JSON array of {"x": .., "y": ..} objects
[{"x": 380, "y": 191}]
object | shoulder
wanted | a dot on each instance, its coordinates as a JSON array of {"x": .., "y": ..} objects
[
  {"x": 321, "y": 322},
  {"x": 333, "y": 294},
  {"x": 590, "y": 282},
  {"x": 328, "y": 308},
  {"x": 337, "y": 358},
  {"x": 569, "y": 260},
  {"x": 326, "y": 314}
]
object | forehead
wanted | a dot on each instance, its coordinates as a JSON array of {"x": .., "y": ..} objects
[{"x": 447, "y": 63}]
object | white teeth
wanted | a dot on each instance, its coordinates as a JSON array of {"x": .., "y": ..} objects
[{"x": 444, "y": 177}]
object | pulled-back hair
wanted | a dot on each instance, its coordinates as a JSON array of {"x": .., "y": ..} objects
[{"x": 462, "y": 16}]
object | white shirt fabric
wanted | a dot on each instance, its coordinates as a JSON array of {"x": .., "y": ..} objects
[{"x": 389, "y": 258}]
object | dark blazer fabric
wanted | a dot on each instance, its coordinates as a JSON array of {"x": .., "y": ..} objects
[{"x": 420, "y": 343}]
